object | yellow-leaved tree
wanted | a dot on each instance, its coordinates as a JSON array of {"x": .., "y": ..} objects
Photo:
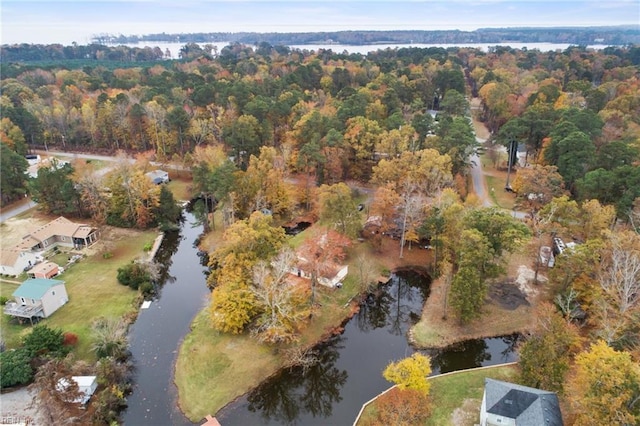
[
  {"x": 605, "y": 387},
  {"x": 410, "y": 373},
  {"x": 408, "y": 402}
]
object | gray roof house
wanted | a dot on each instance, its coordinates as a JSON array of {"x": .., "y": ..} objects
[{"x": 508, "y": 404}]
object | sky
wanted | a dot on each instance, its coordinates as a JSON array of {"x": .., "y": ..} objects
[{"x": 67, "y": 21}]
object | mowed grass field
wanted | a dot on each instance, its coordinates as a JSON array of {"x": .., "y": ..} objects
[{"x": 93, "y": 290}]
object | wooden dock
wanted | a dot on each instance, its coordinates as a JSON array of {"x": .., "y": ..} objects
[{"x": 211, "y": 421}]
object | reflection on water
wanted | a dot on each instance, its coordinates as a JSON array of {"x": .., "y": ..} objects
[
  {"x": 474, "y": 353},
  {"x": 349, "y": 372},
  {"x": 296, "y": 392},
  {"x": 156, "y": 333}
]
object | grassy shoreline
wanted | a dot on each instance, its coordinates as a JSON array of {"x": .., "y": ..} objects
[
  {"x": 455, "y": 397},
  {"x": 435, "y": 331}
]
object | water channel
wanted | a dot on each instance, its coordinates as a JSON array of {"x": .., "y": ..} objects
[
  {"x": 157, "y": 332},
  {"x": 350, "y": 369},
  {"x": 331, "y": 392}
]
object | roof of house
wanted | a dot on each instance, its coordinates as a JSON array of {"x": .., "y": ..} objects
[
  {"x": 44, "y": 267},
  {"x": 530, "y": 406},
  {"x": 9, "y": 257},
  {"x": 35, "y": 288},
  {"x": 60, "y": 226}
]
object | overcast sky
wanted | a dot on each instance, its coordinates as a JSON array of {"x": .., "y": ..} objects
[{"x": 30, "y": 21}]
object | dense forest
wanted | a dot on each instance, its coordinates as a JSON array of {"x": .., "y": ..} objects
[{"x": 270, "y": 133}]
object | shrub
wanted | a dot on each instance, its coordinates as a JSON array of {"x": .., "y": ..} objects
[
  {"x": 408, "y": 407},
  {"x": 70, "y": 339},
  {"x": 133, "y": 275},
  {"x": 147, "y": 247},
  {"x": 16, "y": 368},
  {"x": 146, "y": 288},
  {"x": 45, "y": 341},
  {"x": 3, "y": 300},
  {"x": 110, "y": 338}
]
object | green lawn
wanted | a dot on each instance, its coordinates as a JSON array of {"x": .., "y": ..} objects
[
  {"x": 93, "y": 292},
  {"x": 499, "y": 196},
  {"x": 462, "y": 390}
]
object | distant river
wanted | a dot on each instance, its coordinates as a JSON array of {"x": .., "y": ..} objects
[{"x": 174, "y": 48}]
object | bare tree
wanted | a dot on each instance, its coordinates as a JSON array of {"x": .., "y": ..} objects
[
  {"x": 282, "y": 304},
  {"x": 620, "y": 271},
  {"x": 366, "y": 271}
]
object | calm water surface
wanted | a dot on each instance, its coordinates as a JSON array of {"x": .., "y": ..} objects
[{"x": 158, "y": 331}]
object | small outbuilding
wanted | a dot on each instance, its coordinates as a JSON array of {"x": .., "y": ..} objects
[
  {"x": 44, "y": 269},
  {"x": 87, "y": 386},
  {"x": 37, "y": 297}
]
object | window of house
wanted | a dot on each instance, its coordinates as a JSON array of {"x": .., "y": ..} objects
[
  {"x": 62, "y": 238},
  {"x": 33, "y": 302},
  {"x": 22, "y": 300},
  {"x": 53, "y": 293}
]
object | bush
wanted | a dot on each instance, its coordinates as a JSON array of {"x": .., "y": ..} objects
[
  {"x": 3, "y": 300},
  {"x": 45, "y": 341},
  {"x": 110, "y": 338},
  {"x": 409, "y": 407},
  {"x": 70, "y": 339},
  {"x": 16, "y": 368},
  {"x": 146, "y": 288},
  {"x": 133, "y": 275},
  {"x": 147, "y": 247}
]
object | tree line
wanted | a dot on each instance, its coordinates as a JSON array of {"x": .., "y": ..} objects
[{"x": 578, "y": 36}]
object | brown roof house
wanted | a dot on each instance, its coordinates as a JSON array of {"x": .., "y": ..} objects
[
  {"x": 37, "y": 298},
  {"x": 59, "y": 232},
  {"x": 508, "y": 404}
]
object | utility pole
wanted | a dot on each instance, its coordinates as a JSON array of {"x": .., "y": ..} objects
[{"x": 513, "y": 155}]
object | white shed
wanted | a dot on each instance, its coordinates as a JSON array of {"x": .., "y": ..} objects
[{"x": 87, "y": 385}]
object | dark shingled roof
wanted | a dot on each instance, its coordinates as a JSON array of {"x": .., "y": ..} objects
[{"x": 528, "y": 406}]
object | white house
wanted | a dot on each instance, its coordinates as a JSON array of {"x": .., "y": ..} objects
[
  {"x": 508, "y": 404},
  {"x": 14, "y": 261},
  {"x": 37, "y": 297},
  {"x": 332, "y": 278}
]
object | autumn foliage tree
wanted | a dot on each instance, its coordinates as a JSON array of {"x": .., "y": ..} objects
[
  {"x": 605, "y": 387},
  {"x": 281, "y": 304},
  {"x": 245, "y": 244},
  {"x": 408, "y": 402},
  {"x": 547, "y": 353}
]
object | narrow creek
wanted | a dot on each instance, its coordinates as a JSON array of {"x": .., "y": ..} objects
[
  {"x": 349, "y": 371},
  {"x": 157, "y": 332}
]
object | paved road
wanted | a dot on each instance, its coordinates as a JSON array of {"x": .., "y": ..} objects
[
  {"x": 480, "y": 184},
  {"x": 16, "y": 208}
]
